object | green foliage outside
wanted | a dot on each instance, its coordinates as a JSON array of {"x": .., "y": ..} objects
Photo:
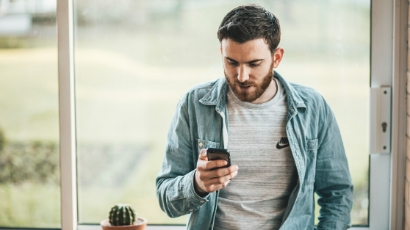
[
  {"x": 2, "y": 140},
  {"x": 35, "y": 162},
  {"x": 29, "y": 184}
]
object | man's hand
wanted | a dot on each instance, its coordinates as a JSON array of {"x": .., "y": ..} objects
[{"x": 209, "y": 175}]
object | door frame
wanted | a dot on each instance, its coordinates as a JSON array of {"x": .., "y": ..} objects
[{"x": 388, "y": 69}]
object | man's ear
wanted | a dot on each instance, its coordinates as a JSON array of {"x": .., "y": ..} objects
[
  {"x": 220, "y": 49},
  {"x": 277, "y": 56}
]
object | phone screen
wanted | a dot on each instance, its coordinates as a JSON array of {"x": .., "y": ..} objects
[{"x": 219, "y": 154}]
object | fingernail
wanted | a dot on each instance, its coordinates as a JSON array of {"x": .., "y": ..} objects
[{"x": 203, "y": 153}]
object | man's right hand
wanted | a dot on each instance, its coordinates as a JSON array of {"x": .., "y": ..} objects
[{"x": 210, "y": 176}]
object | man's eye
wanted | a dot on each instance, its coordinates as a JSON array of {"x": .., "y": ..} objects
[
  {"x": 254, "y": 64},
  {"x": 232, "y": 63}
]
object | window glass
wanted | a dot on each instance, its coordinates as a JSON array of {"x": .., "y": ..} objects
[
  {"x": 135, "y": 58},
  {"x": 29, "y": 146}
]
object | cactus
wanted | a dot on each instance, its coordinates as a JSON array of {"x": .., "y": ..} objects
[{"x": 122, "y": 214}]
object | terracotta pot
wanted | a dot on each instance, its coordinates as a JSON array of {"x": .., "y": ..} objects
[{"x": 140, "y": 224}]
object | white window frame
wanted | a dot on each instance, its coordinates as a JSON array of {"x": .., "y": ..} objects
[
  {"x": 68, "y": 167},
  {"x": 388, "y": 68}
]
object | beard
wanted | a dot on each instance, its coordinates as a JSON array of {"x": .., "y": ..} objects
[{"x": 250, "y": 96}]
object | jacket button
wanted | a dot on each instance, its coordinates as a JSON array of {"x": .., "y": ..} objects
[{"x": 201, "y": 144}]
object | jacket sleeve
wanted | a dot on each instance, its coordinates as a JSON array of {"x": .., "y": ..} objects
[
  {"x": 333, "y": 183},
  {"x": 174, "y": 183}
]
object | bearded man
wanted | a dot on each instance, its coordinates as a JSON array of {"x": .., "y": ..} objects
[{"x": 283, "y": 140}]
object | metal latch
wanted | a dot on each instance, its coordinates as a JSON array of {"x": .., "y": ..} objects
[{"x": 380, "y": 120}]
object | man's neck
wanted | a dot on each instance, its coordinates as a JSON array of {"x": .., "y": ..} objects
[{"x": 269, "y": 93}]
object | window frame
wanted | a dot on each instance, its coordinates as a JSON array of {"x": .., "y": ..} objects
[
  {"x": 386, "y": 49},
  {"x": 68, "y": 167},
  {"x": 388, "y": 69}
]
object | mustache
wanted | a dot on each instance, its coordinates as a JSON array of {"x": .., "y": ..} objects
[
  {"x": 237, "y": 82},
  {"x": 243, "y": 84}
]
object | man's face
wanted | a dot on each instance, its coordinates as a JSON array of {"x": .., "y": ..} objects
[{"x": 248, "y": 69}]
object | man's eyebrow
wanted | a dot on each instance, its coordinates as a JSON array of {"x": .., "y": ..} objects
[
  {"x": 251, "y": 61},
  {"x": 256, "y": 60},
  {"x": 230, "y": 59}
]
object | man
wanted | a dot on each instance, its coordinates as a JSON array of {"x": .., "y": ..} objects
[{"x": 284, "y": 142}]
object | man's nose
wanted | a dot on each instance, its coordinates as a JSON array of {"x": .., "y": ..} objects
[{"x": 243, "y": 73}]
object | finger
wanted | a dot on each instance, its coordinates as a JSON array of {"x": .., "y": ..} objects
[
  {"x": 233, "y": 168},
  {"x": 233, "y": 174},
  {"x": 220, "y": 180},
  {"x": 220, "y": 172},
  {"x": 226, "y": 184},
  {"x": 216, "y": 164},
  {"x": 202, "y": 160},
  {"x": 202, "y": 155},
  {"x": 216, "y": 184},
  {"x": 213, "y": 187}
]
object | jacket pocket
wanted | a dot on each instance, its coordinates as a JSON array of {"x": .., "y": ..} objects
[{"x": 204, "y": 144}]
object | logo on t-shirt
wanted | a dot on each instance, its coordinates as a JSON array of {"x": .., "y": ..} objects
[{"x": 283, "y": 143}]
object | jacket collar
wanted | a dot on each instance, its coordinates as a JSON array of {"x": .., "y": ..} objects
[
  {"x": 294, "y": 99},
  {"x": 217, "y": 95}
]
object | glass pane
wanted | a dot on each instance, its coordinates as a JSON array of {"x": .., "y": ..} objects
[
  {"x": 135, "y": 59},
  {"x": 29, "y": 138},
  {"x": 327, "y": 47}
]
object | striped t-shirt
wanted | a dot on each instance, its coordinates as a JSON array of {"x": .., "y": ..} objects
[{"x": 258, "y": 196}]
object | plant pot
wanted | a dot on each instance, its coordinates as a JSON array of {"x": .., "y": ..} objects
[{"x": 139, "y": 224}]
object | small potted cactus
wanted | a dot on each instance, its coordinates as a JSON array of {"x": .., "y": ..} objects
[{"x": 123, "y": 217}]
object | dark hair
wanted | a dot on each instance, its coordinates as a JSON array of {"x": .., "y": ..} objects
[{"x": 248, "y": 22}]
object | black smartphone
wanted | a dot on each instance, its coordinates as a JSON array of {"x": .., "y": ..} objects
[{"x": 219, "y": 154}]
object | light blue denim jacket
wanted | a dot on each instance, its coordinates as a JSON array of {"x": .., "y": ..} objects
[{"x": 200, "y": 121}]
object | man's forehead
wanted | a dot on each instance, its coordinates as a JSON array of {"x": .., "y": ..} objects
[{"x": 253, "y": 49}]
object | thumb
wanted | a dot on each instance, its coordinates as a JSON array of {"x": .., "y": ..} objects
[{"x": 202, "y": 155}]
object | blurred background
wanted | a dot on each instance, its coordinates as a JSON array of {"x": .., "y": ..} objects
[{"x": 133, "y": 60}]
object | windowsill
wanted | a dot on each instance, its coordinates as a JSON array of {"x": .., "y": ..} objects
[
  {"x": 172, "y": 227},
  {"x": 157, "y": 227},
  {"x": 149, "y": 227}
]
